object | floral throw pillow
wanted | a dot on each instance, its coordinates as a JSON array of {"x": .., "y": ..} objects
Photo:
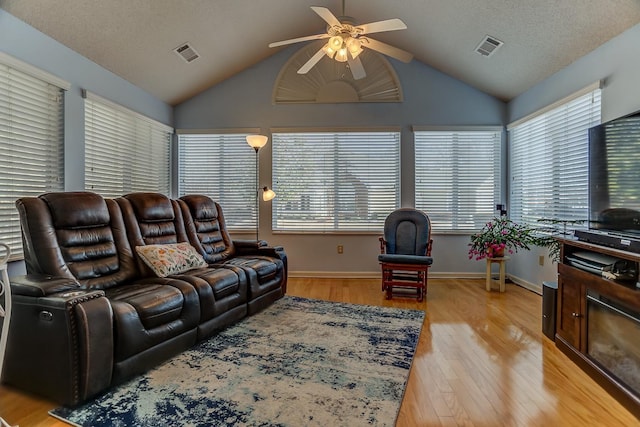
[{"x": 173, "y": 258}]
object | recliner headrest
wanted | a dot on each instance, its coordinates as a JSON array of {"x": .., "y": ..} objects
[
  {"x": 77, "y": 209},
  {"x": 201, "y": 207},
  {"x": 151, "y": 207}
]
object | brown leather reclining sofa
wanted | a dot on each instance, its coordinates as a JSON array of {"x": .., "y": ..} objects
[{"x": 90, "y": 313}]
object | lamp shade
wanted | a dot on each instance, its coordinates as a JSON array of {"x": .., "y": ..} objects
[
  {"x": 268, "y": 194},
  {"x": 257, "y": 141}
]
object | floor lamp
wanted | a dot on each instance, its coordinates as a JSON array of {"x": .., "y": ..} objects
[{"x": 257, "y": 142}]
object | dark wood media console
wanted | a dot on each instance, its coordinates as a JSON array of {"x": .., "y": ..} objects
[{"x": 573, "y": 312}]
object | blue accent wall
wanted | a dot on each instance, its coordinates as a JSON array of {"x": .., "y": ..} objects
[
  {"x": 29, "y": 45},
  {"x": 617, "y": 62},
  {"x": 244, "y": 100},
  {"x": 430, "y": 98}
]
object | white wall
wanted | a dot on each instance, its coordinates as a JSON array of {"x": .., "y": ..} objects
[{"x": 430, "y": 98}]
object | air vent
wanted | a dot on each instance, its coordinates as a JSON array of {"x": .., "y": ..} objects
[
  {"x": 187, "y": 52},
  {"x": 488, "y": 46}
]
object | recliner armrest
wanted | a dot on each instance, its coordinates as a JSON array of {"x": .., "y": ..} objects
[
  {"x": 41, "y": 285},
  {"x": 75, "y": 329},
  {"x": 249, "y": 246},
  {"x": 261, "y": 248}
]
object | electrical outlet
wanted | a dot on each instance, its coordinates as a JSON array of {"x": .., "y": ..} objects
[
  {"x": 340, "y": 249},
  {"x": 541, "y": 260}
]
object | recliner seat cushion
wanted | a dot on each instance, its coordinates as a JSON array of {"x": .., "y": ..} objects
[
  {"x": 265, "y": 267},
  {"x": 151, "y": 311},
  {"x": 155, "y": 305}
]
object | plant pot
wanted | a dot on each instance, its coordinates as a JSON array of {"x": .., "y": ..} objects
[{"x": 497, "y": 253}]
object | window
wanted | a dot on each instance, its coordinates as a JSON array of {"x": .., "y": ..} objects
[
  {"x": 125, "y": 151},
  {"x": 457, "y": 176},
  {"x": 221, "y": 166},
  {"x": 31, "y": 141},
  {"x": 335, "y": 181},
  {"x": 549, "y": 160}
]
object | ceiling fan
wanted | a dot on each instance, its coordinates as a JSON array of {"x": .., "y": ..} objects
[{"x": 347, "y": 40}]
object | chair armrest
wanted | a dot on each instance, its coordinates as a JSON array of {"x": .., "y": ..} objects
[{"x": 41, "y": 285}]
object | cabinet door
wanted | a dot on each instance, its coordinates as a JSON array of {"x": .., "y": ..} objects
[{"x": 569, "y": 311}]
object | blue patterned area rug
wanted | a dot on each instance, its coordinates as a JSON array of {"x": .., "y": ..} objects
[{"x": 300, "y": 362}]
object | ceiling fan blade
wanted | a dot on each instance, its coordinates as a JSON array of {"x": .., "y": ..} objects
[
  {"x": 299, "y": 39},
  {"x": 357, "y": 70},
  {"x": 394, "y": 52},
  {"x": 377, "y": 27},
  {"x": 327, "y": 16},
  {"x": 311, "y": 62}
]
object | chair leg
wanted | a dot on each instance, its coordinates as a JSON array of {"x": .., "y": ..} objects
[
  {"x": 387, "y": 276},
  {"x": 426, "y": 278},
  {"x": 422, "y": 289}
]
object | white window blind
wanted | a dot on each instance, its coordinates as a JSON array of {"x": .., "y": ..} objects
[
  {"x": 125, "y": 151},
  {"x": 335, "y": 181},
  {"x": 457, "y": 176},
  {"x": 31, "y": 143},
  {"x": 221, "y": 166},
  {"x": 549, "y": 162}
]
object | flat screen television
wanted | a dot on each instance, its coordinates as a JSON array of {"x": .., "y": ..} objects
[{"x": 614, "y": 176}]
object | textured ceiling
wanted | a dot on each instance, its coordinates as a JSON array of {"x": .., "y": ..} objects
[{"x": 135, "y": 38}]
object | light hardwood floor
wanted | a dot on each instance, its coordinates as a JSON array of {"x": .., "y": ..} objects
[{"x": 481, "y": 360}]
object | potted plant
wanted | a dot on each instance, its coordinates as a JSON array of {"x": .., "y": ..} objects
[{"x": 502, "y": 235}]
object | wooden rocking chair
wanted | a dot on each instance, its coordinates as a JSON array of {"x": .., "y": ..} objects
[{"x": 405, "y": 252}]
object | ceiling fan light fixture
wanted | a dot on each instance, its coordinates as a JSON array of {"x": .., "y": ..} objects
[
  {"x": 330, "y": 52},
  {"x": 335, "y": 43},
  {"x": 341, "y": 55},
  {"x": 354, "y": 46}
]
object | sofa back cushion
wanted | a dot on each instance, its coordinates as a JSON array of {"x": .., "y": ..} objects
[
  {"x": 151, "y": 219},
  {"x": 76, "y": 234},
  {"x": 206, "y": 229}
]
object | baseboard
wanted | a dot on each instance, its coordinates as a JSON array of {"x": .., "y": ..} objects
[
  {"x": 533, "y": 287},
  {"x": 377, "y": 275},
  {"x": 337, "y": 274},
  {"x": 432, "y": 275},
  {"x": 454, "y": 275}
]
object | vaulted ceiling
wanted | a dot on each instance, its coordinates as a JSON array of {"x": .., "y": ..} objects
[{"x": 135, "y": 38}]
